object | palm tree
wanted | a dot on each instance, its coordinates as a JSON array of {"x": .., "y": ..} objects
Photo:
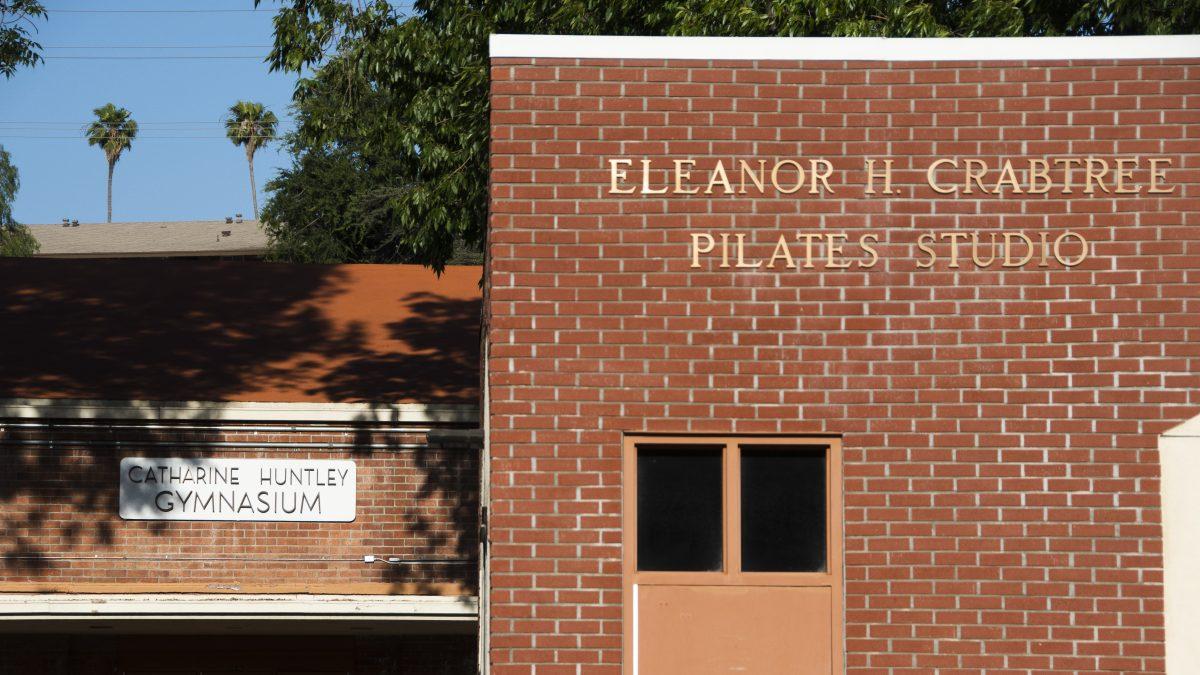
[
  {"x": 114, "y": 131},
  {"x": 252, "y": 125}
]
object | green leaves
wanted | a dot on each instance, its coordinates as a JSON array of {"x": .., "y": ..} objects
[
  {"x": 395, "y": 113},
  {"x": 10, "y": 182},
  {"x": 15, "y": 239},
  {"x": 395, "y": 118},
  {"x": 113, "y": 130},
  {"x": 250, "y": 124},
  {"x": 17, "y": 46}
]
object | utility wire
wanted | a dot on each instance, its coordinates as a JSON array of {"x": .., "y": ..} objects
[
  {"x": 136, "y": 138},
  {"x": 72, "y": 127},
  {"x": 83, "y": 127},
  {"x": 145, "y": 46},
  {"x": 152, "y": 11},
  {"x": 76, "y": 124},
  {"x": 148, "y": 58}
]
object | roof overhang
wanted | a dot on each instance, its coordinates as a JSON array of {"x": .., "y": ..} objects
[{"x": 171, "y": 613}]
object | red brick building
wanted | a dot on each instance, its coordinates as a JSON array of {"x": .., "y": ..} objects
[
  {"x": 209, "y": 365},
  {"x": 850, "y": 353}
]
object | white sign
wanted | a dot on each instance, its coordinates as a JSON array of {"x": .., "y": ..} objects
[{"x": 301, "y": 490}]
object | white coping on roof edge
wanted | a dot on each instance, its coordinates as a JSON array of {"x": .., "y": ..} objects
[
  {"x": 33, "y": 606},
  {"x": 86, "y": 409},
  {"x": 847, "y": 48}
]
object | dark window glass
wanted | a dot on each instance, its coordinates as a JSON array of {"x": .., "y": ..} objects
[
  {"x": 783, "y": 509},
  {"x": 679, "y": 509}
]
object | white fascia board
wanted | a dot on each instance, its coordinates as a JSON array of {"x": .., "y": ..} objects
[
  {"x": 59, "y": 606},
  {"x": 847, "y": 48},
  {"x": 185, "y": 411}
]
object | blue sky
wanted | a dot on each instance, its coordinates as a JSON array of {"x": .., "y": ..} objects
[{"x": 164, "y": 177}]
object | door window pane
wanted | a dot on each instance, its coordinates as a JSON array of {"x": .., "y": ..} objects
[
  {"x": 783, "y": 509},
  {"x": 679, "y": 509}
]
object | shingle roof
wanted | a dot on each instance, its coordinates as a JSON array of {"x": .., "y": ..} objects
[
  {"x": 152, "y": 239},
  {"x": 217, "y": 330}
]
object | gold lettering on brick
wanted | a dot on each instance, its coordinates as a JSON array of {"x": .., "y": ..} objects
[
  {"x": 1012, "y": 249},
  {"x": 944, "y": 175},
  {"x": 617, "y": 175},
  {"x": 885, "y": 174},
  {"x": 1096, "y": 170},
  {"x": 843, "y": 250},
  {"x": 779, "y": 187},
  {"x": 1123, "y": 173},
  {"x": 682, "y": 174},
  {"x": 718, "y": 177},
  {"x": 932, "y": 171},
  {"x": 1065, "y": 260},
  {"x": 1158, "y": 175}
]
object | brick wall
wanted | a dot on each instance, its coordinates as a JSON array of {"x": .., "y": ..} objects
[
  {"x": 60, "y": 529},
  {"x": 1001, "y": 477}
]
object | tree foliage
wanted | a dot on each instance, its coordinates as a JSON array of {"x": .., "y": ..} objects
[
  {"x": 318, "y": 210},
  {"x": 396, "y": 108},
  {"x": 113, "y": 131},
  {"x": 251, "y": 126},
  {"x": 17, "y": 242},
  {"x": 17, "y": 46},
  {"x": 10, "y": 182},
  {"x": 15, "y": 239}
]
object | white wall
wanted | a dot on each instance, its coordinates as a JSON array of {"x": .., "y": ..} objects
[{"x": 1179, "y": 451}]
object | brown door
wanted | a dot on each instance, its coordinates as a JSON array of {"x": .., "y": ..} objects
[{"x": 733, "y": 556}]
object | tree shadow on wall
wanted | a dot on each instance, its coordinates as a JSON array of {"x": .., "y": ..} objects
[
  {"x": 199, "y": 331},
  {"x": 441, "y": 513},
  {"x": 443, "y": 331}
]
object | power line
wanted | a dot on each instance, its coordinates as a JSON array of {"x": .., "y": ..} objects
[
  {"x": 152, "y": 127},
  {"x": 145, "y": 46},
  {"x": 81, "y": 136},
  {"x": 76, "y": 124},
  {"x": 152, "y": 11},
  {"x": 135, "y": 138},
  {"x": 61, "y": 123},
  {"x": 154, "y": 135},
  {"x": 64, "y": 130},
  {"x": 149, "y": 58},
  {"x": 138, "y": 137}
]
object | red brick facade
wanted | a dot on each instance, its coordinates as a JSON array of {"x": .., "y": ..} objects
[
  {"x": 1000, "y": 425},
  {"x": 416, "y": 500}
]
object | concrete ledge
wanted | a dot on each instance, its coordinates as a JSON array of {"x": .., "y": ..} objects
[
  {"x": 187, "y": 411},
  {"x": 1104, "y": 48},
  {"x": 36, "y": 606}
]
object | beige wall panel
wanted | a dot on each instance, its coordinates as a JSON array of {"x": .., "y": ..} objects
[
  {"x": 1179, "y": 451},
  {"x": 764, "y": 630}
]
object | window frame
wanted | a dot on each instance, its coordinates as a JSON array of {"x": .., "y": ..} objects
[{"x": 730, "y": 574}]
